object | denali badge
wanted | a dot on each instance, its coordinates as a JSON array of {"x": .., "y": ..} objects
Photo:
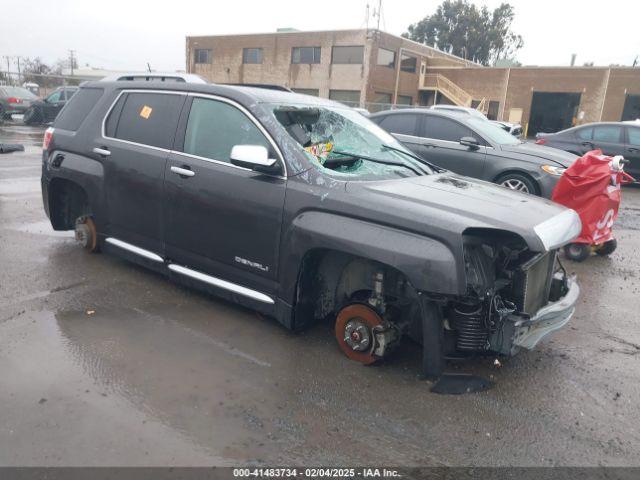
[{"x": 249, "y": 263}]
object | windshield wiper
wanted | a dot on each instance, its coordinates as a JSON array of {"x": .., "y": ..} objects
[
  {"x": 377, "y": 160},
  {"x": 435, "y": 168}
]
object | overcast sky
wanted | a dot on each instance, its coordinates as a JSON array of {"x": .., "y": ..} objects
[{"x": 125, "y": 34}]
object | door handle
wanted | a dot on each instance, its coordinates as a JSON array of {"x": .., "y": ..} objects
[
  {"x": 102, "y": 151},
  {"x": 183, "y": 172},
  {"x": 634, "y": 150},
  {"x": 587, "y": 144}
]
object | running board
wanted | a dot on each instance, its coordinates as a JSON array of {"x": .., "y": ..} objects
[
  {"x": 133, "y": 249},
  {"x": 217, "y": 282}
]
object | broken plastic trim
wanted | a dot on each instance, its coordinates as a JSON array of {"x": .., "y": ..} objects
[{"x": 559, "y": 230}]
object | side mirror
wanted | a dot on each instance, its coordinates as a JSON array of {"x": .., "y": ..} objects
[
  {"x": 254, "y": 157},
  {"x": 470, "y": 142}
]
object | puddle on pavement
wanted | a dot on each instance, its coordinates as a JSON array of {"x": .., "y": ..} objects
[
  {"x": 42, "y": 228},
  {"x": 16, "y": 132},
  {"x": 18, "y": 186}
]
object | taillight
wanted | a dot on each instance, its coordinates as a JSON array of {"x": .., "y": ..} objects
[
  {"x": 48, "y": 135},
  {"x": 14, "y": 100},
  {"x": 541, "y": 141}
]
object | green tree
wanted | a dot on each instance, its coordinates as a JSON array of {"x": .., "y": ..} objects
[{"x": 463, "y": 29}]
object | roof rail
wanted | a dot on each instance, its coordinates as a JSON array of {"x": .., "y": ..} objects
[{"x": 155, "y": 77}]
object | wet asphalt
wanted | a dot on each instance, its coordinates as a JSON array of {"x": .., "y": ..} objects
[{"x": 105, "y": 363}]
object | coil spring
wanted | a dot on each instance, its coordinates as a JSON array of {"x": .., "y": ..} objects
[{"x": 468, "y": 320}]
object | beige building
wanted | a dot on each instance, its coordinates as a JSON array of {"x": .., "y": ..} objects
[{"x": 376, "y": 70}]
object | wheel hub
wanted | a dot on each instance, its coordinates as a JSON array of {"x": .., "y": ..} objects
[
  {"x": 354, "y": 329},
  {"x": 515, "y": 184},
  {"x": 357, "y": 335}
]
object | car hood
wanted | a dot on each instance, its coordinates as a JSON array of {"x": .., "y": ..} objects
[
  {"x": 559, "y": 157},
  {"x": 452, "y": 203}
]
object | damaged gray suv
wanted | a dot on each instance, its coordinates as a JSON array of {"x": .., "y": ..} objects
[{"x": 304, "y": 210}]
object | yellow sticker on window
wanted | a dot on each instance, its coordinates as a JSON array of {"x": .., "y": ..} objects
[{"x": 145, "y": 112}]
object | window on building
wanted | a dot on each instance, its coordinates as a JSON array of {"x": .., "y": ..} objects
[
  {"x": 214, "y": 128},
  {"x": 348, "y": 97},
  {"x": 202, "y": 55},
  {"x": 382, "y": 98},
  {"x": 305, "y": 55},
  {"x": 251, "y": 55},
  {"x": 402, "y": 123},
  {"x": 386, "y": 58},
  {"x": 352, "y": 55},
  {"x": 307, "y": 91},
  {"x": 405, "y": 100},
  {"x": 492, "y": 112},
  {"x": 408, "y": 63},
  {"x": 475, "y": 103},
  {"x": 607, "y": 133},
  {"x": 146, "y": 118},
  {"x": 440, "y": 128}
]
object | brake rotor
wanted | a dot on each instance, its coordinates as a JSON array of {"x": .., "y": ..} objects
[
  {"x": 86, "y": 234},
  {"x": 354, "y": 331}
]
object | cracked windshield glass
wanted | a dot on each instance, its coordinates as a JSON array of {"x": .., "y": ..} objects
[{"x": 345, "y": 143}]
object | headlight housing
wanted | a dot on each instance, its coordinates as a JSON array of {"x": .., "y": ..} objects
[{"x": 553, "y": 170}]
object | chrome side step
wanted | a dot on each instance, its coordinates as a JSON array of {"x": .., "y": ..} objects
[
  {"x": 133, "y": 249},
  {"x": 217, "y": 282}
]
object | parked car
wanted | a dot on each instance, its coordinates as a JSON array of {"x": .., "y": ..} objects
[
  {"x": 469, "y": 145},
  {"x": 514, "y": 129},
  {"x": 45, "y": 111},
  {"x": 457, "y": 109},
  {"x": 613, "y": 138},
  {"x": 14, "y": 100},
  {"x": 302, "y": 209}
]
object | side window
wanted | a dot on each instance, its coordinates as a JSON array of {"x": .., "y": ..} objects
[
  {"x": 55, "y": 97},
  {"x": 402, "y": 123},
  {"x": 585, "y": 133},
  {"x": 440, "y": 128},
  {"x": 634, "y": 136},
  {"x": 147, "y": 118},
  {"x": 75, "y": 111},
  {"x": 607, "y": 133},
  {"x": 70, "y": 93},
  {"x": 214, "y": 127}
]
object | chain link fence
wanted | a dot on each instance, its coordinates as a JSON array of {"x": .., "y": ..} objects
[{"x": 34, "y": 98}]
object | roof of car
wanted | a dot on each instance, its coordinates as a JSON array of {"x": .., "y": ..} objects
[
  {"x": 244, "y": 94},
  {"x": 423, "y": 110}
]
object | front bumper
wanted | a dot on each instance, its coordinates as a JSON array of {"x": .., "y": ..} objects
[{"x": 551, "y": 317}]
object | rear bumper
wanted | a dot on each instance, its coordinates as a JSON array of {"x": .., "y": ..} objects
[
  {"x": 553, "y": 316},
  {"x": 15, "y": 109}
]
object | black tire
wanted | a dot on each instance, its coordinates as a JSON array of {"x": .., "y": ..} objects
[
  {"x": 32, "y": 116},
  {"x": 578, "y": 252},
  {"x": 519, "y": 182},
  {"x": 607, "y": 248}
]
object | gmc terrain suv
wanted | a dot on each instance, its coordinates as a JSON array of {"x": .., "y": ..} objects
[{"x": 303, "y": 209}]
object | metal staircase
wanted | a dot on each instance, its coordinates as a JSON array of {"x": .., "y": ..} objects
[{"x": 441, "y": 84}]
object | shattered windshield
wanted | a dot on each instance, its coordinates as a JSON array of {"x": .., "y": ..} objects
[{"x": 343, "y": 142}]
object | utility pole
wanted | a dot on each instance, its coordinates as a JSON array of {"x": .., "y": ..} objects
[
  {"x": 72, "y": 60},
  {"x": 8, "y": 69},
  {"x": 18, "y": 57}
]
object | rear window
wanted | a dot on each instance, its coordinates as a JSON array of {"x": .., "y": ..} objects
[
  {"x": 402, "y": 123},
  {"x": 77, "y": 109},
  {"x": 19, "y": 93},
  {"x": 146, "y": 118}
]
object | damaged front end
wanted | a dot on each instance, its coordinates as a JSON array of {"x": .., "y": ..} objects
[{"x": 515, "y": 297}]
